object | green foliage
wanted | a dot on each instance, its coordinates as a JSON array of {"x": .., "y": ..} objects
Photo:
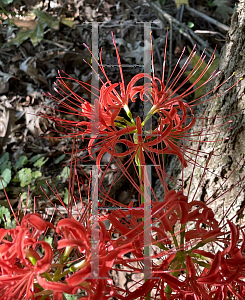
[
  {"x": 4, "y": 159},
  {"x": 201, "y": 66},
  {"x": 69, "y": 297},
  {"x": 59, "y": 159},
  {"x": 40, "y": 162},
  {"x": 35, "y": 158},
  {"x": 6, "y": 177},
  {"x": 5, "y": 216},
  {"x": 5, "y": 170},
  {"x": 6, "y": 2},
  {"x": 36, "y": 35},
  {"x": 66, "y": 195},
  {"x": 49, "y": 240},
  {"x": 26, "y": 176},
  {"x": 21, "y": 162},
  {"x": 65, "y": 173},
  {"x": 190, "y": 24},
  {"x": 209, "y": 3}
]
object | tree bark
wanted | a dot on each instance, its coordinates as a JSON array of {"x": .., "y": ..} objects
[{"x": 227, "y": 160}]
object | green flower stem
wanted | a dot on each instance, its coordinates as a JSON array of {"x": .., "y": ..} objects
[
  {"x": 129, "y": 114},
  {"x": 174, "y": 238},
  {"x": 161, "y": 246},
  {"x": 123, "y": 123},
  {"x": 63, "y": 260},
  {"x": 149, "y": 115},
  {"x": 43, "y": 297},
  {"x": 200, "y": 244},
  {"x": 66, "y": 255},
  {"x": 138, "y": 163},
  {"x": 44, "y": 294},
  {"x": 58, "y": 277},
  {"x": 168, "y": 291},
  {"x": 182, "y": 234}
]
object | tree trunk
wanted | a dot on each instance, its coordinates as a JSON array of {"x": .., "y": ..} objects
[{"x": 229, "y": 153}]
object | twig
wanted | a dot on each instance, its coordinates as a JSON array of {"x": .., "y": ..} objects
[
  {"x": 181, "y": 12},
  {"x": 55, "y": 43},
  {"x": 209, "y": 19},
  {"x": 209, "y": 32},
  {"x": 101, "y": 2},
  {"x": 162, "y": 14},
  {"x": 63, "y": 5}
]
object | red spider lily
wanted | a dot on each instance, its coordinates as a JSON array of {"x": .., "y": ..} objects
[
  {"x": 206, "y": 275},
  {"x": 19, "y": 261},
  {"x": 175, "y": 114},
  {"x": 162, "y": 135},
  {"x": 79, "y": 237},
  {"x": 226, "y": 270}
]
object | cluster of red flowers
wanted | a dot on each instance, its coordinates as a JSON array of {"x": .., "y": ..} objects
[
  {"x": 181, "y": 268},
  {"x": 184, "y": 265}
]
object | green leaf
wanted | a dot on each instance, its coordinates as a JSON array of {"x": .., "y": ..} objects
[
  {"x": 24, "y": 196},
  {"x": 24, "y": 176},
  {"x": 21, "y": 162},
  {"x": 67, "y": 21},
  {"x": 4, "y": 212},
  {"x": 65, "y": 174},
  {"x": 66, "y": 194},
  {"x": 35, "y": 158},
  {"x": 201, "y": 66},
  {"x": 69, "y": 297},
  {"x": 4, "y": 157},
  {"x": 35, "y": 35},
  {"x": 5, "y": 165},
  {"x": 46, "y": 19},
  {"x": 6, "y": 1},
  {"x": 36, "y": 174},
  {"x": 4, "y": 162},
  {"x": 59, "y": 159},
  {"x": 40, "y": 162},
  {"x": 49, "y": 240},
  {"x": 6, "y": 177},
  {"x": 181, "y": 30},
  {"x": 190, "y": 24}
]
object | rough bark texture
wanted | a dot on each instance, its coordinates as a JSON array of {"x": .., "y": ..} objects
[{"x": 227, "y": 154}]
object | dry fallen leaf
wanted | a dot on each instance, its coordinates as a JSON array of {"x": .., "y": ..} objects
[
  {"x": 25, "y": 24},
  {"x": 4, "y": 119},
  {"x": 4, "y": 84}
]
